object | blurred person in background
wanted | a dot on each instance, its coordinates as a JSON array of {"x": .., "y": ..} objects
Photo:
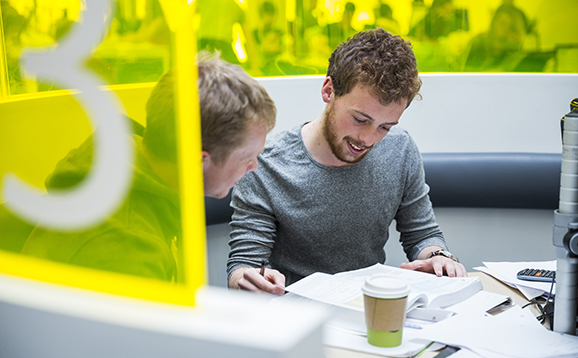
[
  {"x": 268, "y": 40},
  {"x": 342, "y": 30},
  {"x": 499, "y": 49},
  {"x": 439, "y": 21},
  {"x": 384, "y": 19}
]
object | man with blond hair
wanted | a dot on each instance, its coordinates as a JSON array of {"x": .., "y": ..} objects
[
  {"x": 143, "y": 238},
  {"x": 236, "y": 115}
]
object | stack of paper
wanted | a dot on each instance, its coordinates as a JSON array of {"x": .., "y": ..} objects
[
  {"x": 514, "y": 333},
  {"x": 426, "y": 290},
  {"x": 341, "y": 295},
  {"x": 506, "y": 272},
  {"x": 459, "y": 307},
  {"x": 411, "y": 344}
]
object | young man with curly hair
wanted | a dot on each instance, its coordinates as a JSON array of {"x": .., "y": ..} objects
[{"x": 327, "y": 191}]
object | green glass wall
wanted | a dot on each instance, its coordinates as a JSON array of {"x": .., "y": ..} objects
[
  {"x": 296, "y": 37},
  {"x": 136, "y": 49},
  {"x": 101, "y": 182}
]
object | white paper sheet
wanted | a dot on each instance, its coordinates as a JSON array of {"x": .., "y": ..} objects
[
  {"x": 506, "y": 272},
  {"x": 345, "y": 288},
  {"x": 510, "y": 334},
  {"x": 339, "y": 338},
  {"x": 478, "y": 303}
]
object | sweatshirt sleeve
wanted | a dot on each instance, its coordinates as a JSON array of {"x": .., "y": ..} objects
[
  {"x": 415, "y": 217},
  {"x": 253, "y": 224}
]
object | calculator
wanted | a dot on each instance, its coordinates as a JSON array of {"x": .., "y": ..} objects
[{"x": 530, "y": 274}]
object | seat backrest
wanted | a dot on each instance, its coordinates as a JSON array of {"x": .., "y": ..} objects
[
  {"x": 493, "y": 180},
  {"x": 218, "y": 211}
]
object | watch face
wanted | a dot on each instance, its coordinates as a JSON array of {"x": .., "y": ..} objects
[{"x": 445, "y": 253}]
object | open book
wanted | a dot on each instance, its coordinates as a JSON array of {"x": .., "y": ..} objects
[{"x": 342, "y": 291}]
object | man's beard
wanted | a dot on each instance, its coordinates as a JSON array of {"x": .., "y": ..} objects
[{"x": 337, "y": 146}]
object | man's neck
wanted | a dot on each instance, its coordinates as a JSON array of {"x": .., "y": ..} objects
[
  {"x": 167, "y": 171},
  {"x": 316, "y": 144}
]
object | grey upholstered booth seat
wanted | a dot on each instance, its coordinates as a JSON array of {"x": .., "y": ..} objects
[
  {"x": 475, "y": 180},
  {"x": 493, "y": 180},
  {"x": 218, "y": 211}
]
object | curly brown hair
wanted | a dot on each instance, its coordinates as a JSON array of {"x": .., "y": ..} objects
[{"x": 378, "y": 60}]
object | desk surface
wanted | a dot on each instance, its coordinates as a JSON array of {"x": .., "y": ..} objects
[{"x": 489, "y": 283}]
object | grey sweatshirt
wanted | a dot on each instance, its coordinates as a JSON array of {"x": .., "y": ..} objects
[{"x": 305, "y": 217}]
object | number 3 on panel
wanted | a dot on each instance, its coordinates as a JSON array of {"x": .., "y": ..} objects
[{"x": 108, "y": 181}]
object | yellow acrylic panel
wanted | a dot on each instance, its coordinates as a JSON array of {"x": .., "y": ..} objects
[
  {"x": 89, "y": 197},
  {"x": 296, "y": 37}
]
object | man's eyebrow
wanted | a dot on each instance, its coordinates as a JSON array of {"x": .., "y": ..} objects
[
  {"x": 363, "y": 114},
  {"x": 367, "y": 116}
]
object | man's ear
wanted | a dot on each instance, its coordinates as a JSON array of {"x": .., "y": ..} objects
[
  {"x": 327, "y": 89},
  {"x": 206, "y": 159}
]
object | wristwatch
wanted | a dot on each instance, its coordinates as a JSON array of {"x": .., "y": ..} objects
[{"x": 445, "y": 253}]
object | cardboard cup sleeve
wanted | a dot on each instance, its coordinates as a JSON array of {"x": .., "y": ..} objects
[{"x": 385, "y": 315}]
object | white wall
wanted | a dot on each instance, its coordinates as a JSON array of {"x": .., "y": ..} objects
[
  {"x": 491, "y": 112},
  {"x": 458, "y": 112}
]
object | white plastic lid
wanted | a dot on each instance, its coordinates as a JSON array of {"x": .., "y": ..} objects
[{"x": 384, "y": 286}]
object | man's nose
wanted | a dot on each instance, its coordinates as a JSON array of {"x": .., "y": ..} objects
[{"x": 368, "y": 136}]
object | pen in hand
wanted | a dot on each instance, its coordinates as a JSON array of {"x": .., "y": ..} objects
[{"x": 262, "y": 273}]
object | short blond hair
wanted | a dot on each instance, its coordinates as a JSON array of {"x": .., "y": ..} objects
[{"x": 231, "y": 101}]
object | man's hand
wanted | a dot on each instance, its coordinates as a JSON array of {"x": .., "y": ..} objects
[
  {"x": 438, "y": 265},
  {"x": 249, "y": 279}
]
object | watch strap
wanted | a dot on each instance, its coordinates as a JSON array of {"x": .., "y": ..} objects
[{"x": 445, "y": 253}]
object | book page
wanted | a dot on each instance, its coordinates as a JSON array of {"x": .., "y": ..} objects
[
  {"x": 327, "y": 288},
  {"x": 426, "y": 289},
  {"x": 439, "y": 292}
]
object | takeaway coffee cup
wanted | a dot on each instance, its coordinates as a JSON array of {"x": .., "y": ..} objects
[{"x": 385, "y": 300}]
